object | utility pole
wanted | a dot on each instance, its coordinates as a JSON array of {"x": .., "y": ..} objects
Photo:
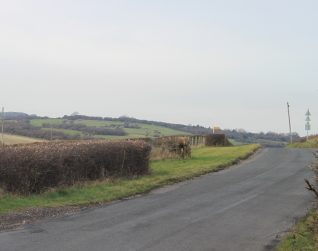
[
  {"x": 51, "y": 132},
  {"x": 2, "y": 126},
  {"x": 307, "y": 126},
  {"x": 290, "y": 129}
]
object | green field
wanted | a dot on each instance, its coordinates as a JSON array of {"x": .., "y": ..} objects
[
  {"x": 16, "y": 139},
  {"x": 144, "y": 130},
  {"x": 40, "y": 122},
  {"x": 163, "y": 172}
]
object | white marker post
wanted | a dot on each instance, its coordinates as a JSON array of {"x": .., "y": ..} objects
[{"x": 290, "y": 129}]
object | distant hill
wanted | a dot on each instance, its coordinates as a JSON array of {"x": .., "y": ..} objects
[
  {"x": 196, "y": 130},
  {"x": 88, "y": 127}
]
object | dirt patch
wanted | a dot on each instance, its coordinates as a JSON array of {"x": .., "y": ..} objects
[{"x": 12, "y": 221}]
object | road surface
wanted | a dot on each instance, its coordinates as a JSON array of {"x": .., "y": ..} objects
[{"x": 242, "y": 208}]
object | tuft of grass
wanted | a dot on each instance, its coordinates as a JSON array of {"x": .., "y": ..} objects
[
  {"x": 303, "y": 237},
  {"x": 163, "y": 172}
]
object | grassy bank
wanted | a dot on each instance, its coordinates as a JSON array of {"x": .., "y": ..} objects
[
  {"x": 305, "y": 234},
  {"x": 303, "y": 237},
  {"x": 311, "y": 143},
  {"x": 163, "y": 172}
]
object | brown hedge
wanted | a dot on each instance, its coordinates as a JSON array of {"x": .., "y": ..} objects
[{"x": 33, "y": 168}]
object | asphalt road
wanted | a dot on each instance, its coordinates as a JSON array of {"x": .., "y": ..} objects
[{"x": 242, "y": 208}]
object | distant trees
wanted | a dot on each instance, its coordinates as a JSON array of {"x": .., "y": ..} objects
[
  {"x": 24, "y": 128},
  {"x": 263, "y": 138}
]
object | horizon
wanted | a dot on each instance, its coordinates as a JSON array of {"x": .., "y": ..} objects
[
  {"x": 168, "y": 122},
  {"x": 213, "y": 63}
]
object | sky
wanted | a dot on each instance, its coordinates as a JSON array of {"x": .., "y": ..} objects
[{"x": 227, "y": 63}]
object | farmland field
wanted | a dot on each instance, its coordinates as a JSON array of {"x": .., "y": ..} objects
[
  {"x": 16, "y": 139},
  {"x": 139, "y": 130}
]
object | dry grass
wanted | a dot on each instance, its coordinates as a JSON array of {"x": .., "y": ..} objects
[
  {"x": 160, "y": 153},
  {"x": 16, "y": 139},
  {"x": 312, "y": 142}
]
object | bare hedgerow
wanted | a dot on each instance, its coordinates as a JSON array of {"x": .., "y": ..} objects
[
  {"x": 33, "y": 168},
  {"x": 314, "y": 167},
  {"x": 217, "y": 140}
]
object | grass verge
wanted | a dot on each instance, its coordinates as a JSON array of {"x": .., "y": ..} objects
[
  {"x": 311, "y": 143},
  {"x": 303, "y": 237},
  {"x": 163, "y": 172}
]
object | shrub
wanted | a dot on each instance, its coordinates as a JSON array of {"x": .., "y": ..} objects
[
  {"x": 217, "y": 140},
  {"x": 177, "y": 146},
  {"x": 35, "y": 167}
]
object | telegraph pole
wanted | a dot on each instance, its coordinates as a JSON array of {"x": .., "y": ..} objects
[
  {"x": 2, "y": 126},
  {"x": 307, "y": 126},
  {"x": 290, "y": 129},
  {"x": 51, "y": 132}
]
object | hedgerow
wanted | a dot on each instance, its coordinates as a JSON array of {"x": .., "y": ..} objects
[{"x": 33, "y": 168}]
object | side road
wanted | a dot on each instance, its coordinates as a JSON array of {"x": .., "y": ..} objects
[{"x": 241, "y": 208}]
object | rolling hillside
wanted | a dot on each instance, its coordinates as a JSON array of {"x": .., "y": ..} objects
[
  {"x": 87, "y": 127},
  {"x": 131, "y": 130}
]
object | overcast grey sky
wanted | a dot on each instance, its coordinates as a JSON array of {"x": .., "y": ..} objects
[{"x": 229, "y": 63}]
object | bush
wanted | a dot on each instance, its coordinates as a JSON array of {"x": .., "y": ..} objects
[
  {"x": 217, "y": 140},
  {"x": 174, "y": 146},
  {"x": 34, "y": 168}
]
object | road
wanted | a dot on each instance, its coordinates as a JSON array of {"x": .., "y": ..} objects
[{"x": 242, "y": 208}]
